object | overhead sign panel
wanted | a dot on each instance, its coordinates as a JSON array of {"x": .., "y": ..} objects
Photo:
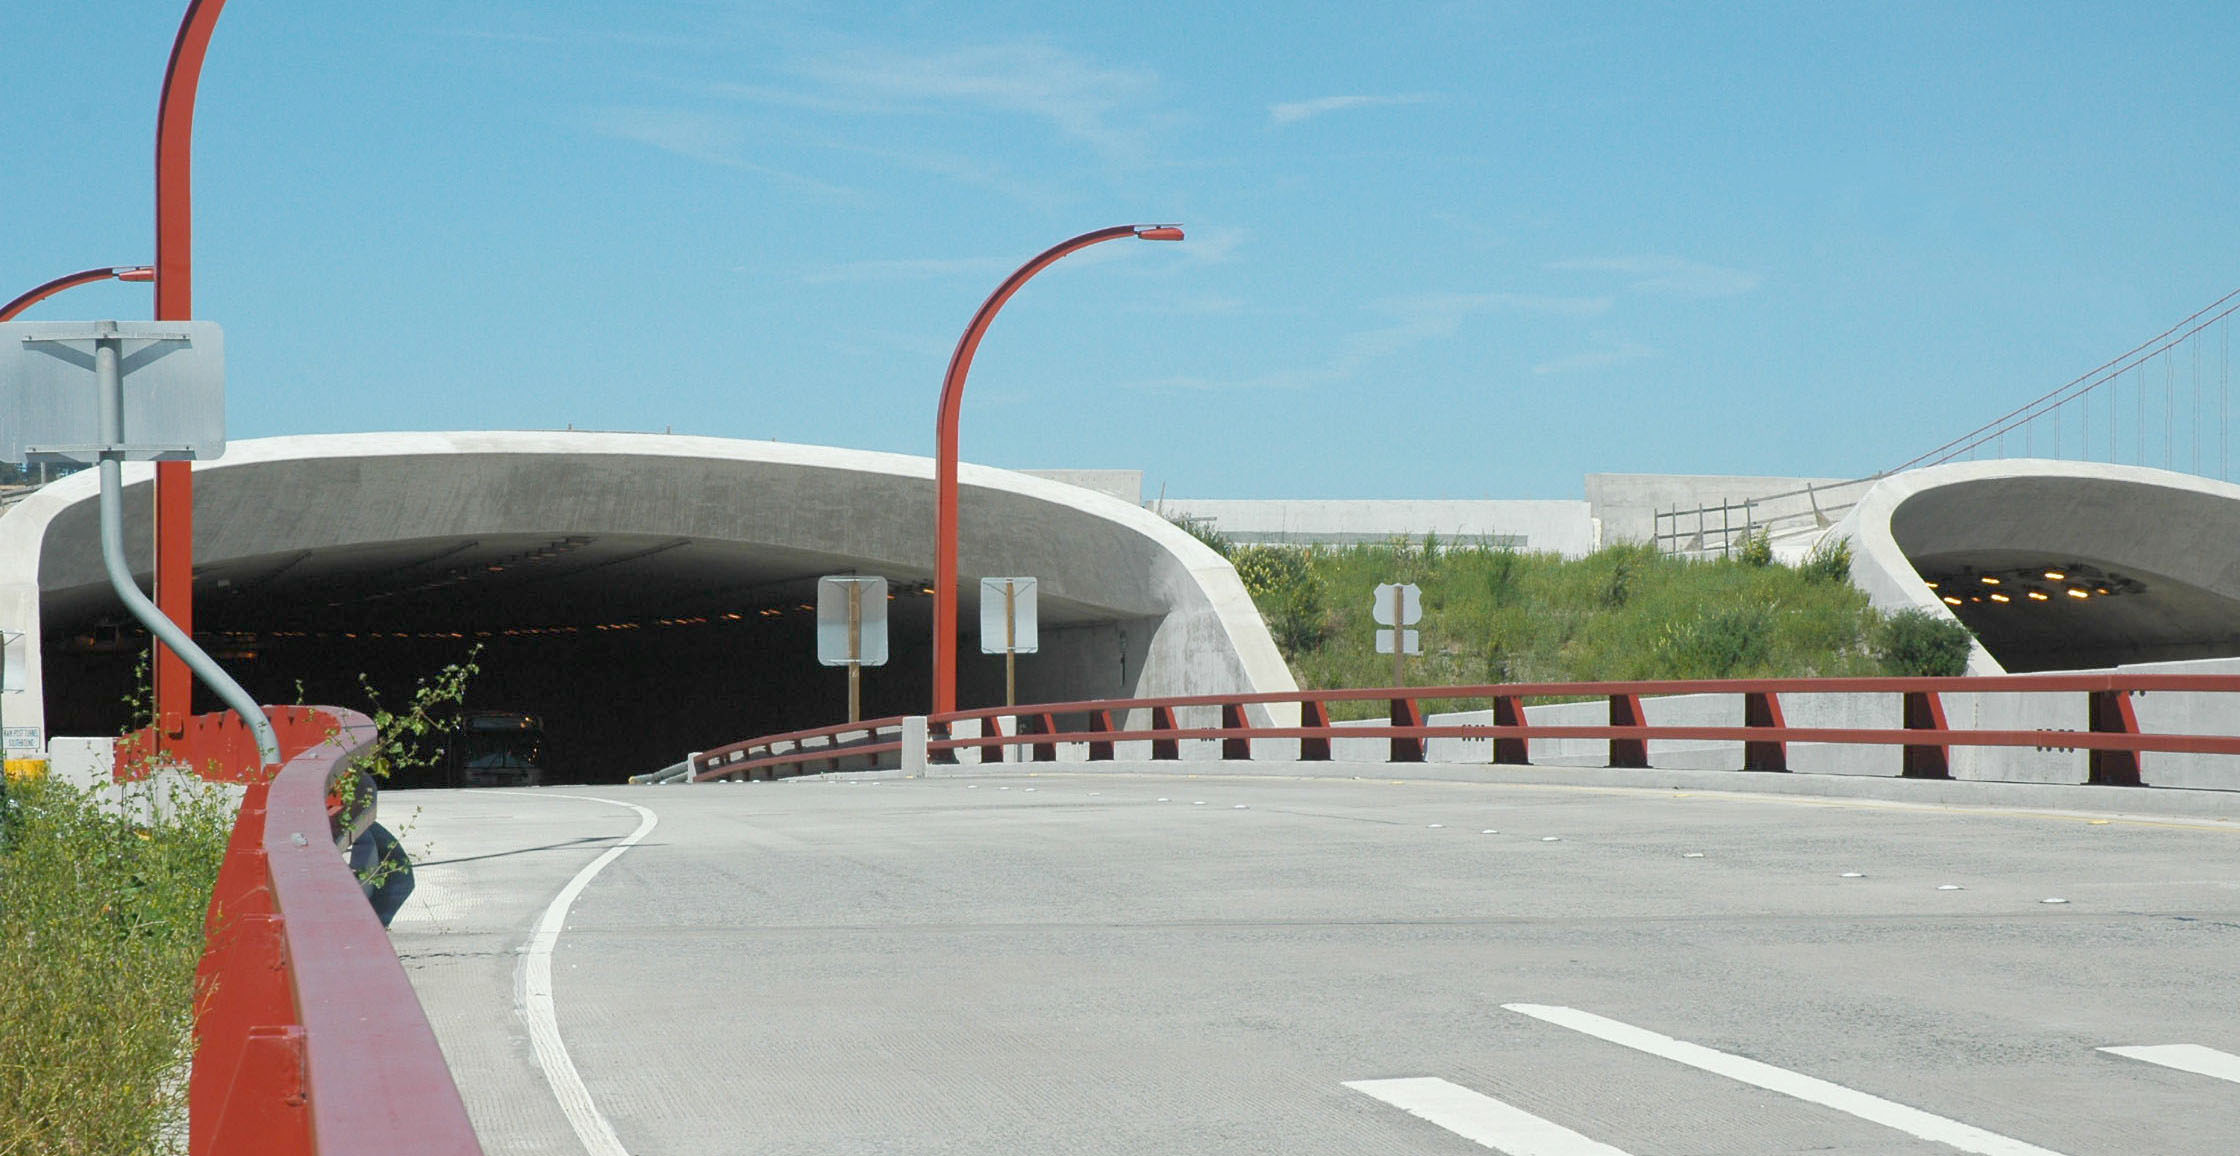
[
  {"x": 851, "y": 621},
  {"x": 173, "y": 374}
]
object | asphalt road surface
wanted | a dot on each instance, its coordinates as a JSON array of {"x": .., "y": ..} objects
[{"x": 1137, "y": 962}]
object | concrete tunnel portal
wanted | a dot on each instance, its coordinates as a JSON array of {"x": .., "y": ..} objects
[
  {"x": 2058, "y": 565},
  {"x": 643, "y": 595}
]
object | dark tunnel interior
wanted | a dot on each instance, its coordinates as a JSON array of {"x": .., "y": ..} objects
[{"x": 630, "y": 652}]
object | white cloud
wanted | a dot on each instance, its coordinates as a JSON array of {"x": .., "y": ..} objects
[
  {"x": 1416, "y": 320},
  {"x": 1597, "y": 359},
  {"x": 1292, "y": 112},
  {"x": 712, "y": 139},
  {"x": 1081, "y": 98},
  {"x": 1669, "y": 276},
  {"x": 1190, "y": 383},
  {"x": 1432, "y": 316},
  {"x": 920, "y": 269}
]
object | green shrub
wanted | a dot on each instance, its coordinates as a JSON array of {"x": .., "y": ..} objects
[
  {"x": 1921, "y": 643},
  {"x": 1830, "y": 561},
  {"x": 1283, "y": 582},
  {"x": 1722, "y": 642},
  {"x": 100, "y": 930},
  {"x": 1203, "y": 531},
  {"x": 1757, "y": 550}
]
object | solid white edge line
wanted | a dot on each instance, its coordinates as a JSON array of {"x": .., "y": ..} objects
[
  {"x": 533, "y": 997},
  {"x": 1478, "y": 1117},
  {"x": 1889, "y": 1114},
  {"x": 2193, "y": 1058}
]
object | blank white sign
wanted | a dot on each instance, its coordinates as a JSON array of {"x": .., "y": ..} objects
[
  {"x": 174, "y": 375},
  {"x": 832, "y": 621},
  {"x": 1023, "y": 635},
  {"x": 1413, "y": 641}
]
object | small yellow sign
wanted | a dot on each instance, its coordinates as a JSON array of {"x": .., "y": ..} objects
[{"x": 24, "y": 770}]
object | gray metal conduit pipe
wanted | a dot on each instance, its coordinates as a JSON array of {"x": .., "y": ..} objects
[{"x": 106, "y": 369}]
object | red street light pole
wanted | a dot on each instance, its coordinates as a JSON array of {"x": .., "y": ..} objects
[
  {"x": 9, "y": 311},
  {"x": 174, "y": 686},
  {"x": 945, "y": 450}
]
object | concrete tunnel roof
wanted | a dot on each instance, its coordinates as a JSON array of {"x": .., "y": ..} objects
[
  {"x": 2164, "y": 546},
  {"x": 620, "y": 523}
]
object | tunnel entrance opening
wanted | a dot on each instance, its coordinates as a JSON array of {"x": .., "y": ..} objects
[
  {"x": 631, "y": 651},
  {"x": 2065, "y": 566},
  {"x": 2036, "y": 611}
]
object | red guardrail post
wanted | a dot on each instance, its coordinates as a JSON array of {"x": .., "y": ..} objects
[
  {"x": 1162, "y": 719},
  {"x": 1237, "y": 749},
  {"x": 1406, "y": 713},
  {"x": 1925, "y": 712},
  {"x": 992, "y": 726},
  {"x": 1507, "y": 712},
  {"x": 2110, "y": 713},
  {"x": 1764, "y": 710},
  {"x": 1625, "y": 711},
  {"x": 1314, "y": 713},
  {"x": 1044, "y": 724},
  {"x": 1100, "y": 722}
]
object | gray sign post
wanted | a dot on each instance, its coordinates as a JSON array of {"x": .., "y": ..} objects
[{"x": 162, "y": 382}]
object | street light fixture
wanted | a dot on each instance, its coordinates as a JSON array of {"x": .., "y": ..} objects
[
  {"x": 945, "y": 448},
  {"x": 9, "y": 311}
]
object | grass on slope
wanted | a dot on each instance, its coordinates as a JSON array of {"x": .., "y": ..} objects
[{"x": 1622, "y": 613}]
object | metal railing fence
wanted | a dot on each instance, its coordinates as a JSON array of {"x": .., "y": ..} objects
[{"x": 2112, "y": 739}]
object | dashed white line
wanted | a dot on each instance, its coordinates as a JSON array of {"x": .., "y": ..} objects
[
  {"x": 1481, "y": 1118},
  {"x": 2193, "y": 1058},
  {"x": 1888, "y": 1113},
  {"x": 534, "y": 995}
]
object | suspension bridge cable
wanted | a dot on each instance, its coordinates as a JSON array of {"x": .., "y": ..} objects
[
  {"x": 2134, "y": 359},
  {"x": 2031, "y": 408}
]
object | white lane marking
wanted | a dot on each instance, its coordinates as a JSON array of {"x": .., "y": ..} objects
[
  {"x": 1481, "y": 1118},
  {"x": 2193, "y": 1058},
  {"x": 533, "y": 996},
  {"x": 1889, "y": 1114}
]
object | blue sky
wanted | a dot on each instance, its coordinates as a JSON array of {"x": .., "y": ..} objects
[{"x": 1446, "y": 250}]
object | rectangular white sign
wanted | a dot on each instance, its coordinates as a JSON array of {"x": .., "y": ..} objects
[
  {"x": 1024, "y": 637},
  {"x": 174, "y": 379},
  {"x": 1413, "y": 641},
  {"x": 20, "y": 739},
  {"x": 832, "y": 621}
]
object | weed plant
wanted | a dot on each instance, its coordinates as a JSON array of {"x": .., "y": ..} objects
[
  {"x": 1620, "y": 614},
  {"x": 100, "y": 930}
]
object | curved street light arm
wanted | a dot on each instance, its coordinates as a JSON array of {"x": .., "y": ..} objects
[
  {"x": 175, "y": 162},
  {"x": 945, "y": 447},
  {"x": 10, "y": 311}
]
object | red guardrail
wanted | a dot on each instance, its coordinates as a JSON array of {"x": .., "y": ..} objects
[
  {"x": 308, "y": 1037},
  {"x": 2112, "y": 736}
]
